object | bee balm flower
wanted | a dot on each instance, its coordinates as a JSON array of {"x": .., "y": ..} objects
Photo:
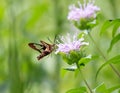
[
  {"x": 84, "y": 16},
  {"x": 70, "y": 43},
  {"x": 84, "y": 11}
]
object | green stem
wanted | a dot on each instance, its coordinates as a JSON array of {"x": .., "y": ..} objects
[
  {"x": 113, "y": 68},
  {"x": 86, "y": 83}
]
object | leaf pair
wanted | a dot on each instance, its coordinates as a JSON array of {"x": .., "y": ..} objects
[
  {"x": 116, "y": 37},
  {"x": 113, "y": 60},
  {"x": 102, "y": 89},
  {"x": 99, "y": 89}
]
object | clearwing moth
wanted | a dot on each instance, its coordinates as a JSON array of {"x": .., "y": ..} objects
[{"x": 43, "y": 48}]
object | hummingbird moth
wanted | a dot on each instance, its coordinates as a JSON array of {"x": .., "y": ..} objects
[{"x": 43, "y": 48}]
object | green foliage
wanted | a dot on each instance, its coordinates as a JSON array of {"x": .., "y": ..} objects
[
  {"x": 107, "y": 24},
  {"x": 113, "y": 42},
  {"x": 77, "y": 90},
  {"x": 101, "y": 89},
  {"x": 115, "y": 28},
  {"x": 84, "y": 60},
  {"x": 86, "y": 24},
  {"x": 112, "y": 89},
  {"x": 115, "y": 24},
  {"x": 24, "y": 21},
  {"x": 114, "y": 60},
  {"x": 71, "y": 57},
  {"x": 70, "y": 69},
  {"x": 75, "y": 57}
]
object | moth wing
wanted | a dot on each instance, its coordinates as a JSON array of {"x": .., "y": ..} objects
[
  {"x": 35, "y": 46},
  {"x": 46, "y": 45},
  {"x": 43, "y": 54}
]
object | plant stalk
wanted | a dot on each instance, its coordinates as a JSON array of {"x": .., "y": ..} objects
[
  {"x": 113, "y": 68},
  {"x": 86, "y": 83}
]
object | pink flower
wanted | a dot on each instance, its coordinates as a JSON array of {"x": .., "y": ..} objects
[
  {"x": 70, "y": 43},
  {"x": 84, "y": 11}
]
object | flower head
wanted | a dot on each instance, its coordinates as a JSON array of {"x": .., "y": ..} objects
[
  {"x": 70, "y": 43},
  {"x": 84, "y": 11}
]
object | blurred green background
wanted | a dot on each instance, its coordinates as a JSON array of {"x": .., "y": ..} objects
[{"x": 24, "y": 21}]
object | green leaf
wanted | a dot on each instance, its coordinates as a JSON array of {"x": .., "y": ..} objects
[
  {"x": 84, "y": 60},
  {"x": 70, "y": 68},
  {"x": 77, "y": 90},
  {"x": 101, "y": 89},
  {"x": 115, "y": 28},
  {"x": 114, "y": 88},
  {"x": 63, "y": 72},
  {"x": 72, "y": 57},
  {"x": 108, "y": 24},
  {"x": 113, "y": 60},
  {"x": 113, "y": 42},
  {"x": 66, "y": 57},
  {"x": 77, "y": 72},
  {"x": 105, "y": 26},
  {"x": 80, "y": 35}
]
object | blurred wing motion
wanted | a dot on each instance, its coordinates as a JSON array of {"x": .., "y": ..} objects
[{"x": 43, "y": 48}]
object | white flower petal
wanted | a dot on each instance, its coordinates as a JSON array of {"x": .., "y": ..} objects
[
  {"x": 86, "y": 10},
  {"x": 72, "y": 44}
]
